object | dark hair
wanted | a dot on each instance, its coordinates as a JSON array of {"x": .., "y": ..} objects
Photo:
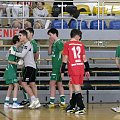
[
  {"x": 15, "y": 39},
  {"x": 30, "y": 30},
  {"x": 53, "y": 31},
  {"x": 23, "y": 32},
  {"x": 75, "y": 32},
  {"x": 43, "y": 3}
]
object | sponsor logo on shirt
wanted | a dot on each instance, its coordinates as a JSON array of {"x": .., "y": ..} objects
[{"x": 27, "y": 79}]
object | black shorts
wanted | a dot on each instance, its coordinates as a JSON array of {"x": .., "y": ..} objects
[{"x": 29, "y": 74}]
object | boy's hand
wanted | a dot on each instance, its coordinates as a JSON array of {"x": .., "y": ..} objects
[
  {"x": 87, "y": 74},
  {"x": 51, "y": 41},
  {"x": 20, "y": 62},
  {"x": 12, "y": 51},
  {"x": 62, "y": 76}
]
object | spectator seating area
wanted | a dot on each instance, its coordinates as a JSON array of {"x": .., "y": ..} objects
[
  {"x": 84, "y": 9},
  {"x": 94, "y": 24}
]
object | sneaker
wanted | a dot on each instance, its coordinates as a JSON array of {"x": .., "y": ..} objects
[
  {"x": 62, "y": 105},
  {"x": 25, "y": 103},
  {"x": 81, "y": 112},
  {"x": 34, "y": 104},
  {"x": 38, "y": 104},
  {"x": 117, "y": 109},
  {"x": 17, "y": 106},
  {"x": 70, "y": 109},
  {"x": 49, "y": 105},
  {"x": 6, "y": 105}
]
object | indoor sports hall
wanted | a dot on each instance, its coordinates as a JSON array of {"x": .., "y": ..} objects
[{"x": 99, "y": 22}]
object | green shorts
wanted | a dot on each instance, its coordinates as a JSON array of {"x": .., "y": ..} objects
[
  {"x": 10, "y": 75},
  {"x": 11, "y": 81},
  {"x": 56, "y": 75}
]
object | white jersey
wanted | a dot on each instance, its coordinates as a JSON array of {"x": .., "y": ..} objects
[
  {"x": 40, "y": 13},
  {"x": 27, "y": 55}
]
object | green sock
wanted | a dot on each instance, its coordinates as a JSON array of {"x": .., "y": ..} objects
[
  {"x": 62, "y": 99},
  {"x": 14, "y": 100},
  {"x": 7, "y": 99},
  {"x": 52, "y": 100},
  {"x": 25, "y": 94}
]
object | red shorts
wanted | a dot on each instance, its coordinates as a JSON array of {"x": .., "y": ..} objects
[{"x": 76, "y": 79}]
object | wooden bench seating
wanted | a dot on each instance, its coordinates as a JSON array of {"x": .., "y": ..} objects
[{"x": 103, "y": 59}]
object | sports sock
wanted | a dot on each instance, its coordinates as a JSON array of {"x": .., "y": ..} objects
[
  {"x": 62, "y": 99},
  {"x": 73, "y": 100},
  {"x": 7, "y": 99},
  {"x": 79, "y": 100},
  {"x": 14, "y": 100},
  {"x": 52, "y": 100}
]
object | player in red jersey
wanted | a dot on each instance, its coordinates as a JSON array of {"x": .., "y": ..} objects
[{"x": 74, "y": 56}]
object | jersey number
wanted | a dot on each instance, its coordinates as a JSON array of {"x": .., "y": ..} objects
[{"x": 76, "y": 51}]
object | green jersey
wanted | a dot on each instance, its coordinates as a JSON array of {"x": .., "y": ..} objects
[
  {"x": 35, "y": 46},
  {"x": 10, "y": 74},
  {"x": 117, "y": 52},
  {"x": 57, "y": 48}
]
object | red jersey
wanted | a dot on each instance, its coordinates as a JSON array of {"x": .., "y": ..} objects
[{"x": 75, "y": 51}]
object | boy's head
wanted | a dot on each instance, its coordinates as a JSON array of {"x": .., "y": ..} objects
[
  {"x": 40, "y": 4},
  {"x": 75, "y": 33},
  {"x": 53, "y": 33},
  {"x": 15, "y": 39},
  {"x": 30, "y": 32},
  {"x": 23, "y": 35}
]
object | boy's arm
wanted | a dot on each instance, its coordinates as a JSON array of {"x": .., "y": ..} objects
[
  {"x": 36, "y": 55},
  {"x": 12, "y": 62},
  {"x": 87, "y": 67},
  {"x": 21, "y": 55},
  {"x": 117, "y": 62},
  {"x": 50, "y": 46}
]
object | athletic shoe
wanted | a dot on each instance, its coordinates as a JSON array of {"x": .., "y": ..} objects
[
  {"x": 49, "y": 105},
  {"x": 6, "y": 105},
  {"x": 38, "y": 104},
  {"x": 25, "y": 103},
  {"x": 34, "y": 104},
  {"x": 70, "y": 109},
  {"x": 117, "y": 109},
  {"x": 62, "y": 105},
  {"x": 17, "y": 106},
  {"x": 81, "y": 112}
]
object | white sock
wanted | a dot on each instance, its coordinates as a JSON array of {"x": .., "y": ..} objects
[
  {"x": 33, "y": 98},
  {"x": 7, "y": 98},
  {"x": 14, "y": 99}
]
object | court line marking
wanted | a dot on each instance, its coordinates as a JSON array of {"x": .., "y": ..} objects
[{"x": 5, "y": 115}]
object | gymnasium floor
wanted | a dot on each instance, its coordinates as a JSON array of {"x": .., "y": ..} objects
[{"x": 94, "y": 112}]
